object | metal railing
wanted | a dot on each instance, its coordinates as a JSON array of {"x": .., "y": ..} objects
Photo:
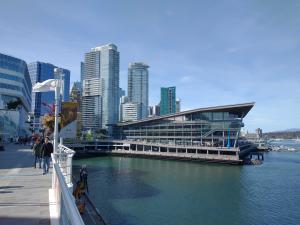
[{"x": 64, "y": 203}]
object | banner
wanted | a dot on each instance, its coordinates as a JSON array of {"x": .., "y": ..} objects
[{"x": 68, "y": 119}]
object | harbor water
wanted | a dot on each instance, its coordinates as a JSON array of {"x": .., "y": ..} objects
[{"x": 138, "y": 191}]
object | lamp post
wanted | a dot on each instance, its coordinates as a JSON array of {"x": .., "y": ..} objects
[
  {"x": 51, "y": 85},
  {"x": 55, "y": 136}
]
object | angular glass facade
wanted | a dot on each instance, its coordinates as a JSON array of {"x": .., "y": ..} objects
[
  {"x": 40, "y": 72},
  {"x": 15, "y": 85},
  {"x": 212, "y": 127}
]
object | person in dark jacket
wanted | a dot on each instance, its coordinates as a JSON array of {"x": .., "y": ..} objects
[
  {"x": 46, "y": 154},
  {"x": 37, "y": 151}
]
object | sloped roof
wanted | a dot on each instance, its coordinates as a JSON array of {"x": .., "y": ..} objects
[{"x": 240, "y": 109}]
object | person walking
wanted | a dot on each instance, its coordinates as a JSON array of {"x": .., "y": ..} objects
[
  {"x": 46, "y": 154},
  {"x": 37, "y": 151}
]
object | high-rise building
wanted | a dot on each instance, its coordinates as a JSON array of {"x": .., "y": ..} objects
[
  {"x": 100, "y": 105},
  {"x": 75, "y": 94},
  {"x": 81, "y": 73},
  {"x": 157, "y": 110},
  {"x": 178, "y": 105},
  {"x": 167, "y": 100},
  {"x": 123, "y": 99},
  {"x": 138, "y": 86},
  {"x": 131, "y": 112},
  {"x": 39, "y": 72},
  {"x": 15, "y": 97},
  {"x": 259, "y": 133},
  {"x": 154, "y": 110},
  {"x": 121, "y": 93},
  {"x": 150, "y": 111}
]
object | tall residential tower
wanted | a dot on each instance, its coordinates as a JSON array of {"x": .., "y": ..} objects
[
  {"x": 138, "y": 86},
  {"x": 100, "y": 105},
  {"x": 167, "y": 100}
]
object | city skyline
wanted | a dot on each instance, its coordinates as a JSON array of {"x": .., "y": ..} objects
[{"x": 237, "y": 52}]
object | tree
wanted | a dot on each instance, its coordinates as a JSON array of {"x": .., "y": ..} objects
[{"x": 14, "y": 104}]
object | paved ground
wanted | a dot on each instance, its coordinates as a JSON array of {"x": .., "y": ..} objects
[{"x": 24, "y": 192}]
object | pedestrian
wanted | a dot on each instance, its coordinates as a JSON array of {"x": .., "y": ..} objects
[
  {"x": 83, "y": 173},
  {"x": 46, "y": 154},
  {"x": 37, "y": 151}
]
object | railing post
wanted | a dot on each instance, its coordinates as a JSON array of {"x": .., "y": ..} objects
[
  {"x": 69, "y": 171},
  {"x": 53, "y": 174}
]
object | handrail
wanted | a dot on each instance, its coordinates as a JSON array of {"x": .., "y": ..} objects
[
  {"x": 66, "y": 149},
  {"x": 65, "y": 207},
  {"x": 70, "y": 206}
]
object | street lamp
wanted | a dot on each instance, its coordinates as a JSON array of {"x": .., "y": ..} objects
[{"x": 46, "y": 86}]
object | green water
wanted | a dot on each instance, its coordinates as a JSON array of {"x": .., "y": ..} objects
[{"x": 135, "y": 191}]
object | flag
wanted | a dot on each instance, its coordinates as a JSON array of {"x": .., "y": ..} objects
[{"x": 45, "y": 86}]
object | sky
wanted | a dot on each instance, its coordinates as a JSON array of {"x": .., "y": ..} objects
[{"x": 214, "y": 52}]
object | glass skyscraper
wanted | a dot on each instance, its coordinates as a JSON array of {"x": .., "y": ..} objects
[
  {"x": 138, "y": 86},
  {"x": 39, "y": 72},
  {"x": 100, "y": 106},
  {"x": 15, "y": 87},
  {"x": 167, "y": 100}
]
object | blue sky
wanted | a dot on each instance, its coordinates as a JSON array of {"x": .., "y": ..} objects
[{"x": 214, "y": 52}]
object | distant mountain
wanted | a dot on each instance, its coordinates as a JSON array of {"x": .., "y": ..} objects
[
  {"x": 285, "y": 134},
  {"x": 287, "y": 130},
  {"x": 292, "y": 130}
]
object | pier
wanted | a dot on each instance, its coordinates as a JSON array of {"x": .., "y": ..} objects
[
  {"x": 29, "y": 197},
  {"x": 23, "y": 189},
  {"x": 157, "y": 150}
]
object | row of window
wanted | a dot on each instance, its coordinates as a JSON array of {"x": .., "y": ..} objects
[
  {"x": 16, "y": 88},
  {"x": 10, "y": 77},
  {"x": 12, "y": 63}
]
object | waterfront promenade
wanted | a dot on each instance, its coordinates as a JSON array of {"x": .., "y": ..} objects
[{"x": 24, "y": 191}]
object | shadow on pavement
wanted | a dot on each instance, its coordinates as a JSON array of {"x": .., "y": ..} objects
[
  {"x": 24, "y": 221},
  {"x": 16, "y": 156}
]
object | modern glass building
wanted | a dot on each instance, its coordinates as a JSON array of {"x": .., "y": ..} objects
[
  {"x": 15, "y": 86},
  {"x": 210, "y": 127},
  {"x": 138, "y": 86},
  {"x": 101, "y": 87},
  {"x": 39, "y": 72},
  {"x": 167, "y": 100},
  {"x": 206, "y": 134}
]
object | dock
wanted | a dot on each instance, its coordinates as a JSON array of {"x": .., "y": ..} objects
[{"x": 24, "y": 191}]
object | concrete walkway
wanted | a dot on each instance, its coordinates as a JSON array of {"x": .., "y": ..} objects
[{"x": 24, "y": 192}]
